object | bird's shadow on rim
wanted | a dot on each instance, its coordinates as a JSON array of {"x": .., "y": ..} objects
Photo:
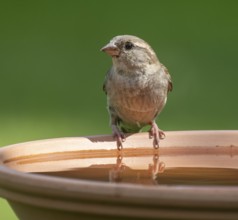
[{"x": 105, "y": 138}]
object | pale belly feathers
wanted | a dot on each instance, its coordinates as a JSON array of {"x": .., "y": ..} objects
[{"x": 137, "y": 100}]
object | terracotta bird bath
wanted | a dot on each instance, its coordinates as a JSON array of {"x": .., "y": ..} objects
[{"x": 193, "y": 175}]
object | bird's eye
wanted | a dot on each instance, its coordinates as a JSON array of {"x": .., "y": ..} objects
[{"x": 128, "y": 45}]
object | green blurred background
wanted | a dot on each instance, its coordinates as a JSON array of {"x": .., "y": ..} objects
[{"x": 51, "y": 69}]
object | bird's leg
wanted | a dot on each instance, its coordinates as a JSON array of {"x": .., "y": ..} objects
[
  {"x": 118, "y": 135},
  {"x": 116, "y": 132},
  {"x": 156, "y": 133}
]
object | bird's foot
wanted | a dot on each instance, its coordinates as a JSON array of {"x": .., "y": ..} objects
[
  {"x": 157, "y": 134},
  {"x": 119, "y": 136}
]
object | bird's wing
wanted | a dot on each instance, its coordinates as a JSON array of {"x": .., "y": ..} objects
[
  {"x": 108, "y": 75},
  {"x": 170, "y": 84}
]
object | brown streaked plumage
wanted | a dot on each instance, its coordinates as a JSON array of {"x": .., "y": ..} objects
[{"x": 136, "y": 86}]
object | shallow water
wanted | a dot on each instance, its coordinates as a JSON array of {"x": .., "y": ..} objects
[
  {"x": 174, "y": 176},
  {"x": 155, "y": 170}
]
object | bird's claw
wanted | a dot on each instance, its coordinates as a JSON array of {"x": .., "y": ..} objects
[
  {"x": 157, "y": 134},
  {"x": 119, "y": 137}
]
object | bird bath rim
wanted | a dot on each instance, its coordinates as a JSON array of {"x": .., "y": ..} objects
[{"x": 95, "y": 197}]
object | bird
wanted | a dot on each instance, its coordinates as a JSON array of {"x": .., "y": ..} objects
[{"x": 136, "y": 86}]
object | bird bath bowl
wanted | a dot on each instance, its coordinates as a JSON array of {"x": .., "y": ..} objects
[{"x": 193, "y": 175}]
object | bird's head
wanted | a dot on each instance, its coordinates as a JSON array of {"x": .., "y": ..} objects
[{"x": 130, "y": 52}]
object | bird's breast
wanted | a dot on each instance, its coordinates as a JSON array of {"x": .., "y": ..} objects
[{"x": 136, "y": 99}]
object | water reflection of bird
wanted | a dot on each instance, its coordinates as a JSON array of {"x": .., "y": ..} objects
[
  {"x": 121, "y": 172},
  {"x": 116, "y": 173},
  {"x": 136, "y": 86},
  {"x": 156, "y": 168}
]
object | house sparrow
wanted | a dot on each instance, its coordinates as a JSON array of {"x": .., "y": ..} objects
[{"x": 136, "y": 87}]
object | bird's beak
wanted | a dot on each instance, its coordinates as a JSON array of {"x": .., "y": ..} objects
[{"x": 111, "y": 49}]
